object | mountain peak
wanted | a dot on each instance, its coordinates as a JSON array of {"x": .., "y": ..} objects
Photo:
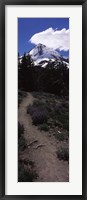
[
  {"x": 41, "y": 51},
  {"x": 40, "y": 48},
  {"x": 42, "y": 45},
  {"x": 42, "y": 55}
]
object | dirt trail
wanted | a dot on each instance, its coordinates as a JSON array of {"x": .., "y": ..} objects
[{"x": 41, "y": 148}]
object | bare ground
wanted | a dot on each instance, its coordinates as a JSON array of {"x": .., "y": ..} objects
[{"x": 41, "y": 149}]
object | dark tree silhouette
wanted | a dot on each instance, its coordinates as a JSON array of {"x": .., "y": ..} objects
[{"x": 54, "y": 78}]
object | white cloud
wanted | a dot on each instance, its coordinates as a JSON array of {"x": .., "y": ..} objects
[{"x": 56, "y": 39}]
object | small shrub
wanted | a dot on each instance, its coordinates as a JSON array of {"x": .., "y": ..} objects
[
  {"x": 31, "y": 163},
  {"x": 61, "y": 136},
  {"x": 57, "y": 111},
  {"x": 21, "y": 140},
  {"x": 58, "y": 108},
  {"x": 36, "y": 94},
  {"x": 36, "y": 107},
  {"x": 39, "y": 117},
  {"x": 44, "y": 127},
  {"x": 66, "y": 125},
  {"x": 21, "y": 95},
  {"x": 58, "y": 123},
  {"x": 64, "y": 119},
  {"x": 65, "y": 104},
  {"x": 38, "y": 112},
  {"x": 38, "y": 103},
  {"x": 27, "y": 161},
  {"x": 31, "y": 109},
  {"x": 63, "y": 154},
  {"x": 25, "y": 175},
  {"x": 21, "y": 143},
  {"x": 20, "y": 130}
]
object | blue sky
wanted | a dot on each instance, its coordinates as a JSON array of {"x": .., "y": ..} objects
[{"x": 28, "y": 27}]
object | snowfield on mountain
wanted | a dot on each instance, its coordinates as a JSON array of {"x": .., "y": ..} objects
[{"x": 42, "y": 55}]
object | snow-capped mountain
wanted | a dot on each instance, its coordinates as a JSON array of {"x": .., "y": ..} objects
[{"x": 42, "y": 55}]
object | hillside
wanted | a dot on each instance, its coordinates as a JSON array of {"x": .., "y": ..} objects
[
  {"x": 43, "y": 146},
  {"x": 43, "y": 116}
]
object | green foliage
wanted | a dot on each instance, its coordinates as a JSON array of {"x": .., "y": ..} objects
[
  {"x": 57, "y": 123},
  {"x": 21, "y": 140},
  {"x": 32, "y": 78},
  {"x": 26, "y": 60},
  {"x": 61, "y": 136},
  {"x": 44, "y": 127},
  {"x": 61, "y": 115},
  {"x": 20, "y": 130},
  {"x": 21, "y": 95},
  {"x": 38, "y": 112},
  {"x": 25, "y": 175},
  {"x": 54, "y": 108},
  {"x": 39, "y": 117},
  {"x": 25, "y": 73},
  {"x": 63, "y": 154},
  {"x": 21, "y": 143}
]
